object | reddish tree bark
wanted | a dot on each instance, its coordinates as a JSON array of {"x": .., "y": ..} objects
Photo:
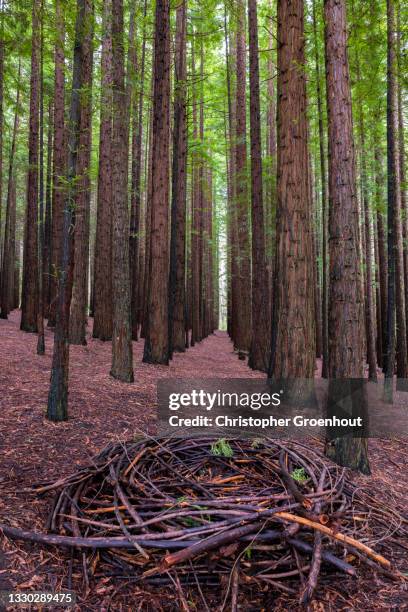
[
  {"x": 293, "y": 335},
  {"x": 102, "y": 328},
  {"x": 136, "y": 195},
  {"x": 79, "y": 303},
  {"x": 59, "y": 159},
  {"x": 122, "y": 352},
  {"x": 29, "y": 299},
  {"x": 57, "y": 409},
  {"x": 346, "y": 300},
  {"x": 8, "y": 261},
  {"x": 179, "y": 183},
  {"x": 243, "y": 332},
  {"x": 260, "y": 341},
  {"x": 156, "y": 349},
  {"x": 396, "y": 343}
]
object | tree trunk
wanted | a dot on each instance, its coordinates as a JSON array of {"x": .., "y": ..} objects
[
  {"x": 40, "y": 314},
  {"x": 179, "y": 185},
  {"x": 293, "y": 335},
  {"x": 59, "y": 160},
  {"x": 323, "y": 180},
  {"x": 382, "y": 252},
  {"x": 48, "y": 216},
  {"x": 196, "y": 217},
  {"x": 156, "y": 349},
  {"x": 122, "y": 352},
  {"x": 1, "y": 127},
  {"x": 369, "y": 298},
  {"x": 57, "y": 409},
  {"x": 396, "y": 343},
  {"x": 136, "y": 196},
  {"x": 79, "y": 304},
  {"x": 260, "y": 341},
  {"x": 7, "y": 276},
  {"x": 346, "y": 301},
  {"x": 243, "y": 332},
  {"x": 102, "y": 327},
  {"x": 29, "y": 299},
  {"x": 401, "y": 147}
]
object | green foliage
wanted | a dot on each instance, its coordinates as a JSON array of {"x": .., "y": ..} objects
[
  {"x": 299, "y": 475},
  {"x": 222, "y": 448}
]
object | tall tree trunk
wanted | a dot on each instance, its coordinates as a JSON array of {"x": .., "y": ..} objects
[
  {"x": 243, "y": 332},
  {"x": 79, "y": 304},
  {"x": 396, "y": 343},
  {"x": 136, "y": 195},
  {"x": 196, "y": 217},
  {"x": 402, "y": 161},
  {"x": 382, "y": 251},
  {"x": 323, "y": 180},
  {"x": 122, "y": 352},
  {"x": 57, "y": 409},
  {"x": 59, "y": 159},
  {"x": 156, "y": 349},
  {"x": 48, "y": 216},
  {"x": 1, "y": 124},
  {"x": 270, "y": 207},
  {"x": 17, "y": 255},
  {"x": 40, "y": 314},
  {"x": 369, "y": 298},
  {"x": 29, "y": 299},
  {"x": 179, "y": 185},
  {"x": 260, "y": 341},
  {"x": 293, "y": 336},
  {"x": 7, "y": 276},
  {"x": 102, "y": 327},
  {"x": 346, "y": 301}
]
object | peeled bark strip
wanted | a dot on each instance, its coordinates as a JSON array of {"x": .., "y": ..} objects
[
  {"x": 293, "y": 334},
  {"x": 179, "y": 185},
  {"x": 122, "y": 352},
  {"x": 29, "y": 299},
  {"x": 260, "y": 341},
  {"x": 79, "y": 304},
  {"x": 102, "y": 328},
  {"x": 346, "y": 301},
  {"x": 156, "y": 349}
]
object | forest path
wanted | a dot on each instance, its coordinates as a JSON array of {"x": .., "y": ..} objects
[{"x": 100, "y": 408}]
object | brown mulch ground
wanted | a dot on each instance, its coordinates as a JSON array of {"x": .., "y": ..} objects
[{"x": 32, "y": 450}]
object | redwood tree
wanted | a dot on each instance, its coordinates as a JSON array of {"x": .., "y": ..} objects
[
  {"x": 58, "y": 159},
  {"x": 79, "y": 304},
  {"x": 122, "y": 353},
  {"x": 293, "y": 334},
  {"x": 102, "y": 327},
  {"x": 179, "y": 182},
  {"x": 7, "y": 275},
  {"x": 156, "y": 349},
  {"x": 243, "y": 332},
  {"x": 29, "y": 298},
  {"x": 346, "y": 300},
  {"x": 57, "y": 409},
  {"x": 260, "y": 341}
]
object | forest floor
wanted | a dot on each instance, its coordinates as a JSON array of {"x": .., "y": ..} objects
[{"x": 34, "y": 451}]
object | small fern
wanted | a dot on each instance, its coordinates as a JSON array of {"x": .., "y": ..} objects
[
  {"x": 299, "y": 475},
  {"x": 222, "y": 448}
]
